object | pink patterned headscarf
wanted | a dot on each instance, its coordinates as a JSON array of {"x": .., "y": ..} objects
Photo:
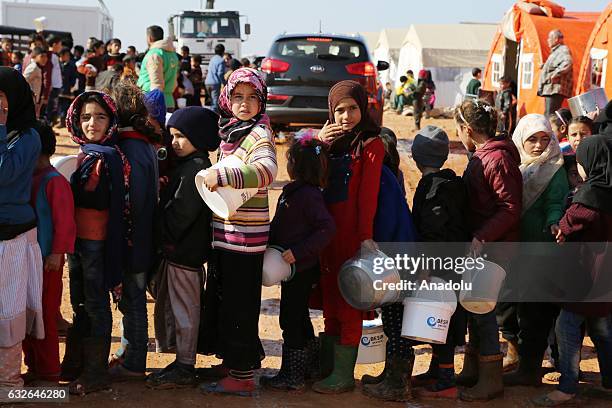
[
  {"x": 232, "y": 129},
  {"x": 248, "y": 76}
]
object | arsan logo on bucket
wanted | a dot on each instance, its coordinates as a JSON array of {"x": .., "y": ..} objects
[
  {"x": 365, "y": 340},
  {"x": 372, "y": 340},
  {"x": 437, "y": 323}
]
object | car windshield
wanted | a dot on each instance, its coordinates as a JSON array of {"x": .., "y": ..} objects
[
  {"x": 207, "y": 27},
  {"x": 320, "y": 48}
]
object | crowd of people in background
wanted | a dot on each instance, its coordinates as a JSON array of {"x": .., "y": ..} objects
[{"x": 131, "y": 221}]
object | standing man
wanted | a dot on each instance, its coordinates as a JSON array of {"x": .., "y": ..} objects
[
  {"x": 160, "y": 65},
  {"x": 214, "y": 76},
  {"x": 556, "y": 80},
  {"x": 55, "y": 46},
  {"x": 471, "y": 91}
]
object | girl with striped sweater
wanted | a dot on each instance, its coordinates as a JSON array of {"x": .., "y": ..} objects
[{"x": 239, "y": 242}]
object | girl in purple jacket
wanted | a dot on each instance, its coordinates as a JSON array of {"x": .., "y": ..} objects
[{"x": 302, "y": 226}]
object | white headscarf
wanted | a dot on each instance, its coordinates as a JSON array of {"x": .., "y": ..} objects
[{"x": 537, "y": 171}]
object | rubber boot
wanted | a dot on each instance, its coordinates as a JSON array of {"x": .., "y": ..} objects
[
  {"x": 72, "y": 364},
  {"x": 342, "y": 377},
  {"x": 529, "y": 372},
  {"x": 313, "y": 359},
  {"x": 444, "y": 386},
  {"x": 291, "y": 375},
  {"x": 490, "y": 384},
  {"x": 428, "y": 377},
  {"x": 396, "y": 386},
  {"x": 377, "y": 379},
  {"x": 95, "y": 375},
  {"x": 511, "y": 359},
  {"x": 469, "y": 374},
  {"x": 326, "y": 353}
]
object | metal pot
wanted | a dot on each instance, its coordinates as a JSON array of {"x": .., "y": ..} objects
[
  {"x": 588, "y": 102},
  {"x": 358, "y": 276}
]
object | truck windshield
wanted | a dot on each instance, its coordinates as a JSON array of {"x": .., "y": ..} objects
[{"x": 207, "y": 27}]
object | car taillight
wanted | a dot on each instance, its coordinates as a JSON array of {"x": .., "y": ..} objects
[
  {"x": 277, "y": 99},
  {"x": 270, "y": 65},
  {"x": 362, "y": 68}
]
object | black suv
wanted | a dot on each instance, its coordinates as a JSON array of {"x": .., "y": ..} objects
[{"x": 300, "y": 69}]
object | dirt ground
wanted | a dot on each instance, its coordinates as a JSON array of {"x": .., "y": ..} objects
[{"x": 136, "y": 394}]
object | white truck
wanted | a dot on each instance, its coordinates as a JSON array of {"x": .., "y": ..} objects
[
  {"x": 202, "y": 30},
  {"x": 82, "y": 21}
]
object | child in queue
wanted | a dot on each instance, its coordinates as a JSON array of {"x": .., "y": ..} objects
[
  {"x": 53, "y": 203},
  {"x": 559, "y": 122},
  {"x": 494, "y": 186},
  {"x": 356, "y": 159},
  {"x": 302, "y": 227},
  {"x": 240, "y": 241},
  {"x": 545, "y": 189},
  {"x": 579, "y": 128},
  {"x": 100, "y": 185},
  {"x": 185, "y": 246},
  {"x": 588, "y": 219},
  {"x": 439, "y": 210}
]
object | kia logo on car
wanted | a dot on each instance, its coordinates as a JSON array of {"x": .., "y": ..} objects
[{"x": 317, "y": 69}]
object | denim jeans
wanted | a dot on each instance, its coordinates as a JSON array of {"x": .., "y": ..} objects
[
  {"x": 483, "y": 333},
  {"x": 133, "y": 305},
  {"x": 88, "y": 294},
  {"x": 52, "y": 104},
  {"x": 214, "y": 91},
  {"x": 569, "y": 338}
]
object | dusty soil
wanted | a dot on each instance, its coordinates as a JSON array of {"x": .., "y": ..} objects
[{"x": 136, "y": 394}]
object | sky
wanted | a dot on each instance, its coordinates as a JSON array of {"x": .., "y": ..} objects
[{"x": 269, "y": 18}]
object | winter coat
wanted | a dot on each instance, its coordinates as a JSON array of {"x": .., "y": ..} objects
[
  {"x": 184, "y": 218},
  {"x": 495, "y": 191},
  {"x": 302, "y": 224},
  {"x": 440, "y": 208},
  {"x": 159, "y": 69}
]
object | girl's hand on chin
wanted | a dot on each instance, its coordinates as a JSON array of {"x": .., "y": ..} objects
[{"x": 329, "y": 132}]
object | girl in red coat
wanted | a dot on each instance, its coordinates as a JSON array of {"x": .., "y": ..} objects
[{"x": 356, "y": 159}]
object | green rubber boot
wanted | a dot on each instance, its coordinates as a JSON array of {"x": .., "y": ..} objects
[
  {"x": 342, "y": 378},
  {"x": 326, "y": 354}
]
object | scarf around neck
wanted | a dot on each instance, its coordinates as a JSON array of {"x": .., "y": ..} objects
[{"x": 537, "y": 171}]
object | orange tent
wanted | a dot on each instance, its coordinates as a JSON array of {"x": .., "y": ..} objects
[
  {"x": 595, "y": 70},
  {"x": 520, "y": 49}
]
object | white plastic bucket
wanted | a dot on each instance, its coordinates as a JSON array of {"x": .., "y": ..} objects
[
  {"x": 224, "y": 201},
  {"x": 485, "y": 286},
  {"x": 65, "y": 165},
  {"x": 275, "y": 268},
  {"x": 372, "y": 345},
  {"x": 427, "y": 314}
]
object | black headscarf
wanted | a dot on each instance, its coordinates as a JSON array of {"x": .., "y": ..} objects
[
  {"x": 21, "y": 111},
  {"x": 366, "y": 129},
  {"x": 594, "y": 154}
]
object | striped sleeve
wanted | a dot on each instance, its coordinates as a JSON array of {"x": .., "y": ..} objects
[{"x": 260, "y": 168}]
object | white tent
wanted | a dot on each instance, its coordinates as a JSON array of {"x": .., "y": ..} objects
[
  {"x": 449, "y": 51},
  {"x": 387, "y": 49}
]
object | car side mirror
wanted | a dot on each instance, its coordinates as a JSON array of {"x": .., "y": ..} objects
[
  {"x": 247, "y": 29},
  {"x": 382, "y": 65}
]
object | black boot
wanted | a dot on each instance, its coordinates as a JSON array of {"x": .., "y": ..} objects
[
  {"x": 95, "y": 375},
  {"x": 529, "y": 372},
  {"x": 469, "y": 375},
  {"x": 377, "y": 379},
  {"x": 396, "y": 386},
  {"x": 291, "y": 375},
  {"x": 72, "y": 364},
  {"x": 313, "y": 368}
]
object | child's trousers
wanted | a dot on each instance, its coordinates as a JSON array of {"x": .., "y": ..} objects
[
  {"x": 42, "y": 356},
  {"x": 294, "y": 314},
  {"x": 341, "y": 319}
]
